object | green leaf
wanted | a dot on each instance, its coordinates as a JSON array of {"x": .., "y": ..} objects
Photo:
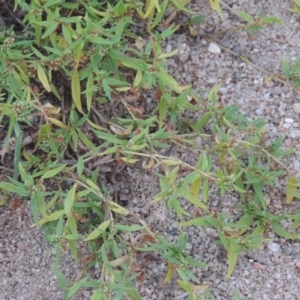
[
  {"x": 70, "y": 199},
  {"x": 202, "y": 121},
  {"x": 108, "y": 137},
  {"x": 18, "y": 147},
  {"x": 197, "y": 20},
  {"x": 205, "y": 190},
  {"x": 245, "y": 16},
  {"x": 52, "y": 217},
  {"x": 232, "y": 258},
  {"x": 290, "y": 188},
  {"x": 278, "y": 229},
  {"x": 80, "y": 165},
  {"x": 25, "y": 176},
  {"x": 245, "y": 222},
  {"x": 106, "y": 88},
  {"x": 85, "y": 140},
  {"x": 194, "y": 262},
  {"x": 7, "y": 186},
  {"x": 203, "y": 162},
  {"x": 180, "y": 7},
  {"x": 185, "y": 285},
  {"x": 97, "y": 294},
  {"x": 194, "y": 200},
  {"x": 212, "y": 96},
  {"x": 76, "y": 90},
  {"x": 62, "y": 281},
  {"x": 98, "y": 231},
  {"x": 89, "y": 91},
  {"x": 196, "y": 186},
  {"x": 237, "y": 295},
  {"x": 215, "y": 4},
  {"x": 52, "y": 173},
  {"x": 76, "y": 287},
  {"x": 73, "y": 236},
  {"x": 67, "y": 34},
  {"x": 271, "y": 20},
  {"x": 50, "y": 29},
  {"x": 43, "y": 78},
  {"x": 170, "y": 273},
  {"x": 202, "y": 221},
  {"x": 224, "y": 241},
  {"x": 159, "y": 15},
  {"x": 73, "y": 247}
]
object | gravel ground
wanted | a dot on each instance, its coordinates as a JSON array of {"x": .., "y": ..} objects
[{"x": 270, "y": 273}]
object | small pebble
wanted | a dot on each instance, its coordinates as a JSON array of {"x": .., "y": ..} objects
[
  {"x": 282, "y": 129},
  {"x": 168, "y": 48},
  {"x": 273, "y": 247},
  {"x": 277, "y": 90},
  {"x": 289, "y": 120},
  {"x": 295, "y": 134},
  {"x": 204, "y": 42},
  {"x": 223, "y": 90},
  {"x": 259, "y": 111},
  {"x": 288, "y": 250},
  {"x": 213, "y": 48},
  {"x": 296, "y": 108}
]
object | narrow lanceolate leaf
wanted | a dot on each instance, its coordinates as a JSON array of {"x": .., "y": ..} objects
[
  {"x": 196, "y": 186},
  {"x": 170, "y": 273},
  {"x": 290, "y": 188},
  {"x": 7, "y": 186},
  {"x": 73, "y": 247},
  {"x": 194, "y": 200},
  {"x": 185, "y": 285},
  {"x": 98, "y": 231},
  {"x": 53, "y": 217},
  {"x": 43, "y": 78},
  {"x": 215, "y": 4},
  {"x": 76, "y": 287},
  {"x": 276, "y": 227},
  {"x": 53, "y": 172},
  {"x": 248, "y": 18},
  {"x": 70, "y": 199},
  {"x": 205, "y": 190},
  {"x": 76, "y": 90},
  {"x": 232, "y": 257},
  {"x": 89, "y": 92},
  {"x": 57, "y": 123}
]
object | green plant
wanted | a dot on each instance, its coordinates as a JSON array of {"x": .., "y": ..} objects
[
  {"x": 292, "y": 71},
  {"x": 101, "y": 60},
  {"x": 296, "y": 8}
]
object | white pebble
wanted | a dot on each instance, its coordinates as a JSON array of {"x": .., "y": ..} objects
[
  {"x": 259, "y": 111},
  {"x": 213, "y": 48},
  {"x": 289, "y": 120},
  {"x": 273, "y": 247},
  {"x": 223, "y": 90},
  {"x": 296, "y": 108},
  {"x": 169, "y": 48}
]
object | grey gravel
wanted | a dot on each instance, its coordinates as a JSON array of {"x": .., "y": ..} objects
[
  {"x": 273, "y": 247},
  {"x": 288, "y": 250}
]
